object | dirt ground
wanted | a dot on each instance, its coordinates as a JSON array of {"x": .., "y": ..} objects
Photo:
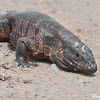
[{"x": 82, "y": 17}]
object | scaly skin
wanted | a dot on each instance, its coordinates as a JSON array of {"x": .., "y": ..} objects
[{"x": 38, "y": 35}]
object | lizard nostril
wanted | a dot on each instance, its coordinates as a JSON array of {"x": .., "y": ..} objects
[
  {"x": 94, "y": 68},
  {"x": 91, "y": 68}
]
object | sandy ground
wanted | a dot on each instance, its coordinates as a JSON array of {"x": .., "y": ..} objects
[{"x": 82, "y": 17}]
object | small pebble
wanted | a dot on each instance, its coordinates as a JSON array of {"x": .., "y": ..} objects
[
  {"x": 10, "y": 86},
  {"x": 77, "y": 77},
  {"x": 36, "y": 95},
  {"x": 79, "y": 30},
  {"x": 4, "y": 78},
  {"x": 10, "y": 94},
  {"x": 55, "y": 67},
  {"x": 86, "y": 82},
  {"x": 24, "y": 69},
  {"x": 75, "y": 95},
  {"x": 27, "y": 81},
  {"x": 6, "y": 66},
  {"x": 6, "y": 54}
]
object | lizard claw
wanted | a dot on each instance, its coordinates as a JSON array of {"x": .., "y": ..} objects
[{"x": 25, "y": 64}]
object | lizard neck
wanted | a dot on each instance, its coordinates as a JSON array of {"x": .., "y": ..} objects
[{"x": 4, "y": 30}]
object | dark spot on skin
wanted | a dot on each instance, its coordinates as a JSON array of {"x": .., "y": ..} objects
[
  {"x": 36, "y": 31},
  {"x": 0, "y": 31}
]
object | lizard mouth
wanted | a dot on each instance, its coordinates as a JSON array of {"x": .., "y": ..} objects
[
  {"x": 87, "y": 68},
  {"x": 90, "y": 68},
  {"x": 72, "y": 66}
]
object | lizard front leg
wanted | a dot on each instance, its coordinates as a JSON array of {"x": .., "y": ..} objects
[{"x": 23, "y": 50}]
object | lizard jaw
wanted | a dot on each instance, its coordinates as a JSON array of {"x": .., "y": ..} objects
[
  {"x": 87, "y": 68},
  {"x": 91, "y": 68}
]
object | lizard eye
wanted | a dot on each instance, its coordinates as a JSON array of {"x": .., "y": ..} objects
[{"x": 76, "y": 55}]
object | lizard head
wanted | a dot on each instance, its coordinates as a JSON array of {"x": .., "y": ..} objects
[{"x": 80, "y": 58}]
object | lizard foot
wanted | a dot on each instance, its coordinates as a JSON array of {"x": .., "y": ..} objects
[{"x": 25, "y": 64}]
